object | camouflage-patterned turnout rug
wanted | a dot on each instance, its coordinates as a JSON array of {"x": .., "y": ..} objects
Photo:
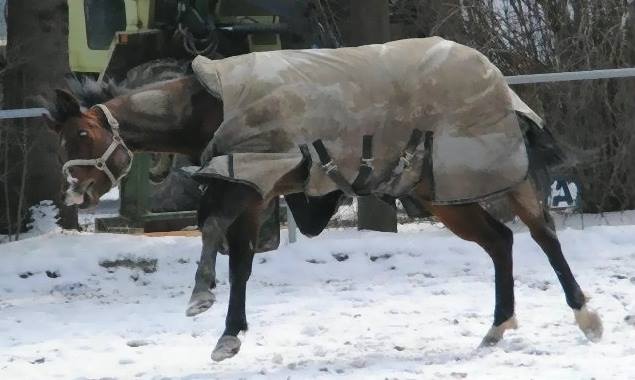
[{"x": 371, "y": 119}]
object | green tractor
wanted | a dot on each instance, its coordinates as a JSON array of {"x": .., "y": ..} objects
[{"x": 140, "y": 41}]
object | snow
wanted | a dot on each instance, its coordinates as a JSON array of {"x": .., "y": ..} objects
[
  {"x": 111, "y": 195},
  {"x": 409, "y": 306}
]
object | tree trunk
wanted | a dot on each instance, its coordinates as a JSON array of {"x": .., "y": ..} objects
[
  {"x": 37, "y": 60},
  {"x": 370, "y": 24}
]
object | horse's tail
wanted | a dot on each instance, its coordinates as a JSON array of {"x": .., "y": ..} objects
[{"x": 544, "y": 152}]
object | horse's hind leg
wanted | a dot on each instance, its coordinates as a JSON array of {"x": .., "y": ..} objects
[
  {"x": 472, "y": 223},
  {"x": 526, "y": 205}
]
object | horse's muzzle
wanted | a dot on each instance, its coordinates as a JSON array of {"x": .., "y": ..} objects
[{"x": 82, "y": 196}]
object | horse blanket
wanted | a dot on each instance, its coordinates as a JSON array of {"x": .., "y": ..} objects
[{"x": 402, "y": 112}]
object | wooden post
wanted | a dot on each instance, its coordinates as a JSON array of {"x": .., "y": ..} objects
[
  {"x": 370, "y": 24},
  {"x": 135, "y": 190}
]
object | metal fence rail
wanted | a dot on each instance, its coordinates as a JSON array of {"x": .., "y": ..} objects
[
  {"x": 23, "y": 113},
  {"x": 571, "y": 76}
]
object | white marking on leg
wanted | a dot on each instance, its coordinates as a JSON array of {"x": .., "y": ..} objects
[
  {"x": 495, "y": 333},
  {"x": 227, "y": 347},
  {"x": 200, "y": 302},
  {"x": 590, "y": 323}
]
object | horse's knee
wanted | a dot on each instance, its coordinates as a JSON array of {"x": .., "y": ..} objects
[
  {"x": 500, "y": 239},
  {"x": 506, "y": 238},
  {"x": 500, "y": 249}
]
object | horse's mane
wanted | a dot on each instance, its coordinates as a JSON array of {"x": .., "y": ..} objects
[{"x": 90, "y": 91}]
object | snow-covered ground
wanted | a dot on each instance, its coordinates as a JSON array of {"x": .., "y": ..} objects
[{"x": 408, "y": 306}]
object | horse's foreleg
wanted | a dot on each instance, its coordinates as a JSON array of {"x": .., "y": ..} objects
[
  {"x": 526, "y": 205},
  {"x": 470, "y": 222},
  {"x": 205, "y": 280},
  {"x": 241, "y": 236}
]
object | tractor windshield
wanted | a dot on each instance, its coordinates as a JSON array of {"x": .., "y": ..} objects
[{"x": 103, "y": 19}]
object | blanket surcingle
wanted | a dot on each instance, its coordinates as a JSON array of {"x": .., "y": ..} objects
[{"x": 371, "y": 119}]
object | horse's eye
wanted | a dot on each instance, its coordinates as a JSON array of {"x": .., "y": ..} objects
[{"x": 83, "y": 133}]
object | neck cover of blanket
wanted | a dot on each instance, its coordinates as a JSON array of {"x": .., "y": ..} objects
[{"x": 278, "y": 104}]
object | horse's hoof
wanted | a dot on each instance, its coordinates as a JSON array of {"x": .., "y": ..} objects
[
  {"x": 227, "y": 347},
  {"x": 495, "y": 333},
  {"x": 590, "y": 323},
  {"x": 199, "y": 303}
]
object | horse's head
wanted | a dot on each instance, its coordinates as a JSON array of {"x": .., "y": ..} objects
[{"x": 95, "y": 156}]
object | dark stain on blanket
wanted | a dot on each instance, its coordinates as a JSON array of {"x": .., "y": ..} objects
[
  {"x": 263, "y": 113},
  {"x": 278, "y": 107}
]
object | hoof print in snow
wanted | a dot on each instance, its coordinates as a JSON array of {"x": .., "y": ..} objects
[
  {"x": 70, "y": 289},
  {"x": 183, "y": 261},
  {"x": 262, "y": 260},
  {"x": 399, "y": 348},
  {"x": 38, "y": 361},
  {"x": 134, "y": 263},
  {"x": 26, "y": 274},
  {"x": 340, "y": 257},
  {"x": 137, "y": 343},
  {"x": 630, "y": 320},
  {"x": 315, "y": 261},
  {"x": 52, "y": 274},
  {"x": 276, "y": 359},
  {"x": 126, "y": 361},
  {"x": 358, "y": 363},
  {"x": 385, "y": 256},
  {"x": 459, "y": 375}
]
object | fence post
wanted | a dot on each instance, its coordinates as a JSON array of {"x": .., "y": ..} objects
[{"x": 291, "y": 226}]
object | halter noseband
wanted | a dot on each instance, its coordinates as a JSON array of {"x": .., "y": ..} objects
[{"x": 101, "y": 162}]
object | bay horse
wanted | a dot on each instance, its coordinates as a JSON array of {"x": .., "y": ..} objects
[{"x": 181, "y": 116}]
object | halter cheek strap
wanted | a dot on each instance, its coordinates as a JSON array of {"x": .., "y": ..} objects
[{"x": 101, "y": 163}]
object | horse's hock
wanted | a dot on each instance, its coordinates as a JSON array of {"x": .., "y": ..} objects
[{"x": 447, "y": 106}]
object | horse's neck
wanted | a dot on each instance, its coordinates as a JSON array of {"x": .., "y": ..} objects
[{"x": 178, "y": 116}]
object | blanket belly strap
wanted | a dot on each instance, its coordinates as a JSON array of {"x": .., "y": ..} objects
[
  {"x": 331, "y": 169},
  {"x": 407, "y": 169},
  {"x": 365, "y": 167},
  {"x": 409, "y": 152},
  {"x": 360, "y": 185}
]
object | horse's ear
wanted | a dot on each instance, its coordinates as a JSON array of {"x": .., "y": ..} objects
[
  {"x": 66, "y": 106},
  {"x": 51, "y": 122},
  {"x": 48, "y": 112}
]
